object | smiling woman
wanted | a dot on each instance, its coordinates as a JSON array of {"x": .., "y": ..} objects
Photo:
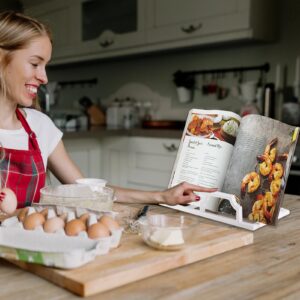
[{"x": 30, "y": 140}]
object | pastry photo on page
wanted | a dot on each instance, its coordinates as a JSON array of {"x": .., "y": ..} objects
[{"x": 248, "y": 158}]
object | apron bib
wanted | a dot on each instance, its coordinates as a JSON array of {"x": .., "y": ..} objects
[{"x": 23, "y": 171}]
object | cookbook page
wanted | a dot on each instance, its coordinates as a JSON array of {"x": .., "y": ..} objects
[
  {"x": 205, "y": 149},
  {"x": 259, "y": 166}
]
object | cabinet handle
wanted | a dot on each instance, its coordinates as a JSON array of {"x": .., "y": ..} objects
[
  {"x": 191, "y": 28},
  {"x": 171, "y": 148},
  {"x": 106, "y": 43}
]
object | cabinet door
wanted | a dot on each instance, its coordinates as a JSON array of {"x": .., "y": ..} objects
[
  {"x": 150, "y": 162},
  {"x": 114, "y": 157},
  {"x": 186, "y": 19},
  {"x": 107, "y": 26}
]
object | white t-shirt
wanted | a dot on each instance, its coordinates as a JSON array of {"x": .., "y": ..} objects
[{"x": 48, "y": 135}]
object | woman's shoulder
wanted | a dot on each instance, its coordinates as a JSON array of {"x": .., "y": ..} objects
[
  {"x": 36, "y": 115},
  {"x": 40, "y": 123}
]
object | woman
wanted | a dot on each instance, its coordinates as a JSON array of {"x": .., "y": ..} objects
[{"x": 30, "y": 141}]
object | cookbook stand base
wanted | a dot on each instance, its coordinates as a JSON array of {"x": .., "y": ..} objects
[{"x": 199, "y": 209}]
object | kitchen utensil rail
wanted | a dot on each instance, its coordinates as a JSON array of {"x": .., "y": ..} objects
[
  {"x": 263, "y": 68},
  {"x": 91, "y": 81}
]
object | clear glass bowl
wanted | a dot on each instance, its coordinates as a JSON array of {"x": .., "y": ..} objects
[
  {"x": 78, "y": 195},
  {"x": 167, "y": 232}
]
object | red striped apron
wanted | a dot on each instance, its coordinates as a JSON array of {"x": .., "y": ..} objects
[{"x": 23, "y": 171}]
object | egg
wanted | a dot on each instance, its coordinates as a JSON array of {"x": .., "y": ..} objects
[
  {"x": 33, "y": 220},
  {"x": 109, "y": 222},
  {"x": 84, "y": 218},
  {"x": 8, "y": 201},
  {"x": 74, "y": 227},
  {"x": 53, "y": 224},
  {"x": 98, "y": 230},
  {"x": 44, "y": 212},
  {"x": 22, "y": 214}
]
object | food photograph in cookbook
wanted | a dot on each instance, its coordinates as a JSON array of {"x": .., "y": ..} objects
[
  {"x": 248, "y": 157},
  {"x": 259, "y": 166},
  {"x": 213, "y": 126}
]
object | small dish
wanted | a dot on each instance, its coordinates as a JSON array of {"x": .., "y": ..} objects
[{"x": 167, "y": 232}]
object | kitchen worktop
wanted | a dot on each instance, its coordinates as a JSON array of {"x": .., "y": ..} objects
[
  {"x": 100, "y": 132},
  {"x": 267, "y": 269}
]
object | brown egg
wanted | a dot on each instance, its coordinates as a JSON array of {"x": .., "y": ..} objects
[
  {"x": 74, "y": 227},
  {"x": 98, "y": 230},
  {"x": 84, "y": 218},
  {"x": 22, "y": 214},
  {"x": 33, "y": 220},
  {"x": 109, "y": 222},
  {"x": 44, "y": 212},
  {"x": 8, "y": 201},
  {"x": 54, "y": 224}
]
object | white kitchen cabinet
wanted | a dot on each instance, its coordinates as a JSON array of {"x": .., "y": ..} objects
[
  {"x": 178, "y": 23},
  {"x": 130, "y": 162},
  {"x": 110, "y": 26},
  {"x": 86, "y": 153},
  {"x": 139, "y": 162},
  {"x": 114, "y": 158},
  {"x": 97, "y": 29},
  {"x": 61, "y": 16},
  {"x": 150, "y": 162},
  {"x": 86, "y": 29}
]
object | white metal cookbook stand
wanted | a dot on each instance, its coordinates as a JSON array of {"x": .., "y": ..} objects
[{"x": 199, "y": 209}]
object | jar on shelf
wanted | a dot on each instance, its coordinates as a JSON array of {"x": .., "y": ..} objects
[{"x": 113, "y": 114}]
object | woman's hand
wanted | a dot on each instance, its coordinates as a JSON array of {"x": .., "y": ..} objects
[{"x": 183, "y": 193}]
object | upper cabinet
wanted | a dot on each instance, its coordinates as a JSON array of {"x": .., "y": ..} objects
[
  {"x": 195, "y": 22},
  {"x": 112, "y": 24},
  {"x": 61, "y": 17},
  {"x": 92, "y": 29},
  {"x": 87, "y": 29}
]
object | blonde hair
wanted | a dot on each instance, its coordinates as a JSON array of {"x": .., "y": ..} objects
[{"x": 16, "y": 32}]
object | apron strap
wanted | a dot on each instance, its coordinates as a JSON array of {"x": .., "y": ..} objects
[{"x": 32, "y": 144}]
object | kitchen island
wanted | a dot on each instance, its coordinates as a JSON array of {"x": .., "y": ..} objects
[{"x": 267, "y": 269}]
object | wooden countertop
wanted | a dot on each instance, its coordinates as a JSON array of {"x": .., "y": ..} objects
[{"x": 267, "y": 269}]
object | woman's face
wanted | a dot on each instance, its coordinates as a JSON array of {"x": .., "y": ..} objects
[{"x": 27, "y": 71}]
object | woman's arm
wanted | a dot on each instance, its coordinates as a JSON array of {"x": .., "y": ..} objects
[
  {"x": 62, "y": 166},
  {"x": 182, "y": 193},
  {"x": 66, "y": 171}
]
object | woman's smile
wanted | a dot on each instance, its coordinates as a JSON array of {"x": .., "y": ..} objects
[{"x": 32, "y": 90}]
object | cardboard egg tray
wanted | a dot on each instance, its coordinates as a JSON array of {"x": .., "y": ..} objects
[{"x": 55, "y": 249}]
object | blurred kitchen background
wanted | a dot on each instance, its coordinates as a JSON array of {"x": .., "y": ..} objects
[{"x": 136, "y": 64}]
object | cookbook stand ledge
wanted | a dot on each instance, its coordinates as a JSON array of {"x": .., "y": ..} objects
[{"x": 199, "y": 209}]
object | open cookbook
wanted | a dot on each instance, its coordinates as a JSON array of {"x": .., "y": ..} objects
[{"x": 248, "y": 159}]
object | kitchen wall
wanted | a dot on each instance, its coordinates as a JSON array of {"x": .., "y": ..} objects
[{"x": 156, "y": 70}]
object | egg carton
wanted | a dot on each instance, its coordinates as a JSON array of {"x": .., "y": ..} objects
[{"x": 55, "y": 249}]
